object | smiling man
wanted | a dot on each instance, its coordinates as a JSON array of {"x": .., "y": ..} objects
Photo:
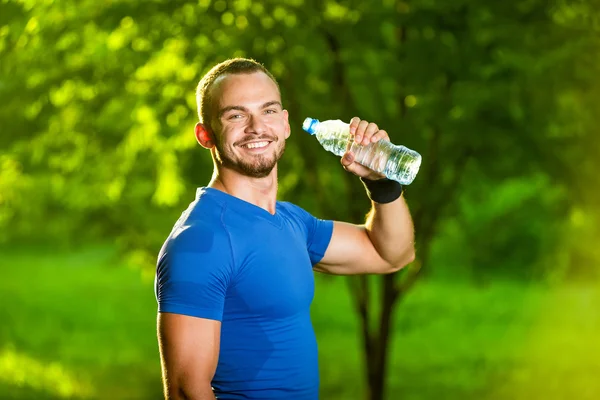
[{"x": 234, "y": 279}]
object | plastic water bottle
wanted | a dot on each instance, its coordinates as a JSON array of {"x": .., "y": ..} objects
[{"x": 397, "y": 163}]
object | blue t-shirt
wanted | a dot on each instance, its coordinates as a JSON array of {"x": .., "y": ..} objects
[{"x": 231, "y": 261}]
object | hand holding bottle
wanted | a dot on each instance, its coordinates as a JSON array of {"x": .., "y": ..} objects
[
  {"x": 364, "y": 133},
  {"x": 366, "y": 150}
]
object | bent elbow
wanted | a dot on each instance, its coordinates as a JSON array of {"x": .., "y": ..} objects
[
  {"x": 410, "y": 257},
  {"x": 407, "y": 259}
]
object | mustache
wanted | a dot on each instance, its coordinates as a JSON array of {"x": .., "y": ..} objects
[{"x": 254, "y": 137}]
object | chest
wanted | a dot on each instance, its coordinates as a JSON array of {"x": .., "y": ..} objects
[{"x": 274, "y": 276}]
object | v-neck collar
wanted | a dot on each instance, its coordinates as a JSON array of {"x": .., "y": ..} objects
[{"x": 242, "y": 206}]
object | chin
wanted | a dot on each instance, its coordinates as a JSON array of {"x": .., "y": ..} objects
[{"x": 257, "y": 172}]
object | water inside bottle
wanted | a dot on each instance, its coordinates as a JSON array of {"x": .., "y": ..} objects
[
  {"x": 374, "y": 155},
  {"x": 334, "y": 145},
  {"x": 403, "y": 165}
]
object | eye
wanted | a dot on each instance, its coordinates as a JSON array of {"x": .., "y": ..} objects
[
  {"x": 234, "y": 116},
  {"x": 270, "y": 111}
]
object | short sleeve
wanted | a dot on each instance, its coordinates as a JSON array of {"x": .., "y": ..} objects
[
  {"x": 193, "y": 272},
  {"x": 318, "y": 232}
]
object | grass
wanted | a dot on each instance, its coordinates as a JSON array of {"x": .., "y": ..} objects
[
  {"x": 85, "y": 315},
  {"x": 454, "y": 340},
  {"x": 81, "y": 325}
]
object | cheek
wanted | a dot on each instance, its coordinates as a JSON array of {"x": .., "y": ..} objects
[
  {"x": 225, "y": 138},
  {"x": 281, "y": 125},
  {"x": 221, "y": 143}
]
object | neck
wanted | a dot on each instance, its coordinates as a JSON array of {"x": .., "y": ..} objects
[{"x": 261, "y": 192}]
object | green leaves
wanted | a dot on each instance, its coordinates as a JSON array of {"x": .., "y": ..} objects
[{"x": 99, "y": 105}]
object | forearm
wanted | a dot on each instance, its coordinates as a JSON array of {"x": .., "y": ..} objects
[{"x": 390, "y": 228}]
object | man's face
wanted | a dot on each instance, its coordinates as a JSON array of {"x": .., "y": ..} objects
[{"x": 250, "y": 125}]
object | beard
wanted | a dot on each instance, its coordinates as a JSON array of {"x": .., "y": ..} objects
[{"x": 254, "y": 166}]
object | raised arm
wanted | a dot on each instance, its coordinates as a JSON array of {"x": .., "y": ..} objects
[
  {"x": 189, "y": 351},
  {"x": 385, "y": 243}
]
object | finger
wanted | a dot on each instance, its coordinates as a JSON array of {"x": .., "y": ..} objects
[
  {"x": 354, "y": 167},
  {"x": 357, "y": 169},
  {"x": 347, "y": 159},
  {"x": 371, "y": 130},
  {"x": 354, "y": 124},
  {"x": 362, "y": 171},
  {"x": 380, "y": 135},
  {"x": 360, "y": 131}
]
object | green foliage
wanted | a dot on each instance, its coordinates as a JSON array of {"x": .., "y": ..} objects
[
  {"x": 503, "y": 230},
  {"x": 500, "y": 98},
  {"x": 98, "y": 126},
  {"x": 98, "y": 108}
]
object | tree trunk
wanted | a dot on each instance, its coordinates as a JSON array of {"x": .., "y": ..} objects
[{"x": 378, "y": 362}]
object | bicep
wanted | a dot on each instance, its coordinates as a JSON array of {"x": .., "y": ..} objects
[
  {"x": 350, "y": 252},
  {"x": 189, "y": 351}
]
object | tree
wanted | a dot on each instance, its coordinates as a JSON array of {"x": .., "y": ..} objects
[{"x": 99, "y": 109}]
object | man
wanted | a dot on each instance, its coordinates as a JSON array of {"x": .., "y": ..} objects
[{"x": 234, "y": 279}]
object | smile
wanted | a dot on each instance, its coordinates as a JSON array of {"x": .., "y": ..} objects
[{"x": 256, "y": 145}]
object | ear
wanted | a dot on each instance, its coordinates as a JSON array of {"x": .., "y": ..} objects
[
  {"x": 203, "y": 136},
  {"x": 287, "y": 124}
]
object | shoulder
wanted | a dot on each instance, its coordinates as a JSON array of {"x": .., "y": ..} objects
[
  {"x": 199, "y": 230},
  {"x": 293, "y": 210},
  {"x": 308, "y": 222},
  {"x": 199, "y": 225},
  {"x": 317, "y": 232}
]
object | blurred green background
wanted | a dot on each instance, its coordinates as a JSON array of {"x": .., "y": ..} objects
[{"x": 98, "y": 160}]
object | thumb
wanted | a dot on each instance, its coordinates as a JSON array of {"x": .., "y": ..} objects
[{"x": 347, "y": 159}]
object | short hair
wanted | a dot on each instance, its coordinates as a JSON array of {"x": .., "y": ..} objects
[{"x": 231, "y": 66}]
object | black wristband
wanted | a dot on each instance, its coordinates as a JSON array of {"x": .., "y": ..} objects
[{"x": 383, "y": 191}]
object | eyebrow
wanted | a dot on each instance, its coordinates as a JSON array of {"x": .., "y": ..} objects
[{"x": 242, "y": 108}]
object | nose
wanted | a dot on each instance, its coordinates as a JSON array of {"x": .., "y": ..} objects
[{"x": 255, "y": 125}]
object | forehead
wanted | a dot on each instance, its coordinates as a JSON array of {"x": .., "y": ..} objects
[{"x": 238, "y": 89}]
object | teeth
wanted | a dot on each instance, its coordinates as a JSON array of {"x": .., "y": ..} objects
[{"x": 256, "y": 145}]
